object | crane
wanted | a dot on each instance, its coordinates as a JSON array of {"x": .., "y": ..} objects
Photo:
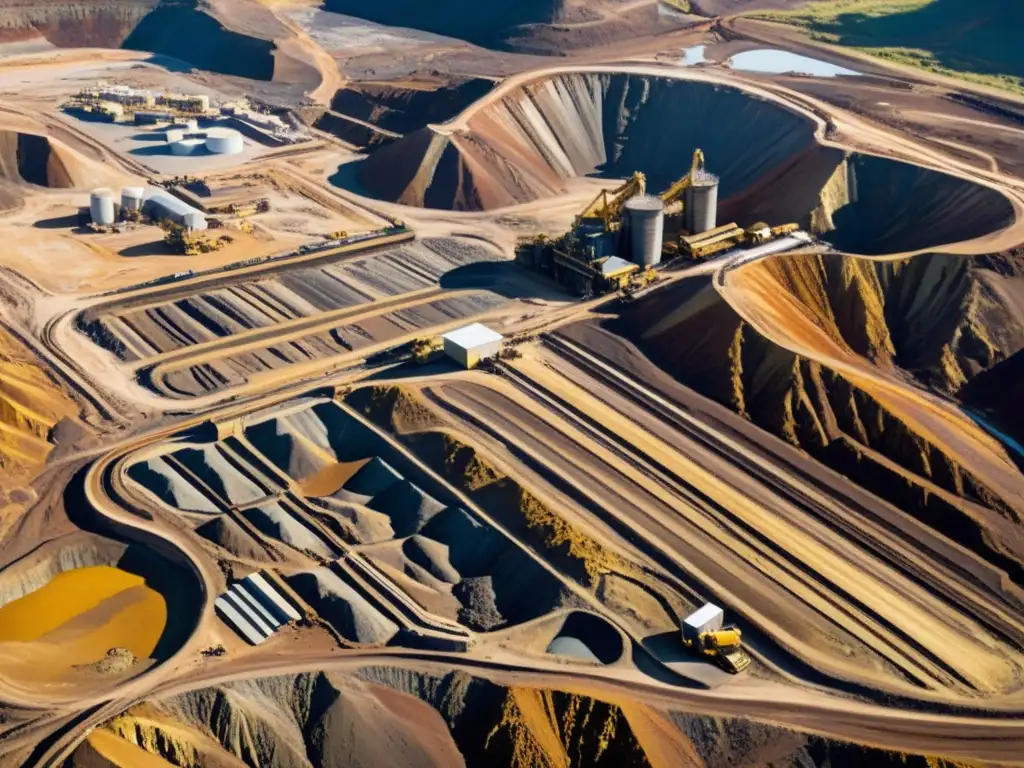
[
  {"x": 676, "y": 191},
  {"x": 608, "y": 204}
]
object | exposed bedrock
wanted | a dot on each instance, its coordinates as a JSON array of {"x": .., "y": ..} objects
[
  {"x": 400, "y": 717},
  {"x": 942, "y": 319},
  {"x": 529, "y": 144},
  {"x": 182, "y": 29},
  {"x": 77, "y": 24},
  {"x": 30, "y": 158},
  {"x": 484, "y": 24}
]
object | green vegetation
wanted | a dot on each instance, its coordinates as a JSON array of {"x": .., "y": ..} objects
[{"x": 977, "y": 41}]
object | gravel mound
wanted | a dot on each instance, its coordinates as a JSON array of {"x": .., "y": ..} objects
[
  {"x": 374, "y": 478},
  {"x": 274, "y": 520},
  {"x": 409, "y": 507},
  {"x": 431, "y": 556},
  {"x": 164, "y": 481},
  {"x": 229, "y": 535},
  {"x": 347, "y": 611},
  {"x": 210, "y": 465}
]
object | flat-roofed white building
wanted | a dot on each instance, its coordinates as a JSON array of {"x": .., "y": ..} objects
[{"x": 471, "y": 344}]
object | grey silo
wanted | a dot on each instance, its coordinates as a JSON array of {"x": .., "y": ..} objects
[{"x": 646, "y": 214}]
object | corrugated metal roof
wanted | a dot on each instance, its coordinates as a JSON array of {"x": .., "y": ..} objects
[
  {"x": 169, "y": 202},
  {"x": 260, "y": 584}
]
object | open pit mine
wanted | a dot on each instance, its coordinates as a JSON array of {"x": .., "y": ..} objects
[{"x": 407, "y": 384}]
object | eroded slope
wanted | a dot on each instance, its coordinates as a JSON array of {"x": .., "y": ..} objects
[
  {"x": 531, "y": 142},
  {"x": 822, "y": 350},
  {"x": 400, "y": 717}
]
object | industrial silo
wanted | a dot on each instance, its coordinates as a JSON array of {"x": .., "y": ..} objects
[
  {"x": 224, "y": 141},
  {"x": 131, "y": 198},
  {"x": 646, "y": 214},
  {"x": 187, "y": 147},
  {"x": 701, "y": 203},
  {"x": 101, "y": 207}
]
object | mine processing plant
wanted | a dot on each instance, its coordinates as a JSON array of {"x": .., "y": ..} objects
[{"x": 624, "y": 233}]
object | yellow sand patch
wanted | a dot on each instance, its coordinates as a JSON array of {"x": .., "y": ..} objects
[
  {"x": 75, "y": 619},
  {"x": 68, "y": 594},
  {"x": 122, "y": 753},
  {"x": 330, "y": 479}
]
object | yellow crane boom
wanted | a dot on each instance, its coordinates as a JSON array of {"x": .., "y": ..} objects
[
  {"x": 674, "y": 192},
  {"x": 608, "y": 203}
]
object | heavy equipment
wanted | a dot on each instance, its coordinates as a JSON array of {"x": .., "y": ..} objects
[
  {"x": 607, "y": 206},
  {"x": 703, "y": 631},
  {"x": 675, "y": 192}
]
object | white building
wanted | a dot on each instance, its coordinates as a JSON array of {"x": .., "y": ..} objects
[{"x": 471, "y": 344}]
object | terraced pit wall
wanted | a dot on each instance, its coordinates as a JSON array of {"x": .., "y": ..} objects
[
  {"x": 936, "y": 317},
  {"x": 75, "y": 24},
  {"x": 527, "y": 145},
  {"x": 404, "y": 718}
]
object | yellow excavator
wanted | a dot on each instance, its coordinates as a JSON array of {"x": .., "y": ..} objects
[
  {"x": 607, "y": 206},
  {"x": 703, "y": 631}
]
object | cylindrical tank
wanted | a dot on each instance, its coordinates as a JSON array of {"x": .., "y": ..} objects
[
  {"x": 131, "y": 198},
  {"x": 187, "y": 147},
  {"x": 172, "y": 135},
  {"x": 224, "y": 141},
  {"x": 101, "y": 207},
  {"x": 646, "y": 215},
  {"x": 194, "y": 221},
  {"x": 701, "y": 203},
  {"x": 188, "y": 126}
]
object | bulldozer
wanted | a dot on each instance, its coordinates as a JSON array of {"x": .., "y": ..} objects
[{"x": 704, "y": 632}]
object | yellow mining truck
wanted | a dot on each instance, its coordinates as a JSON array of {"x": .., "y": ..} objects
[{"x": 703, "y": 631}]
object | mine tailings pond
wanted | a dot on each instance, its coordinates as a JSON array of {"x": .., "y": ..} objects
[{"x": 771, "y": 61}]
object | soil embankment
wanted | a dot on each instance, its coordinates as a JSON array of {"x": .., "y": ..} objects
[
  {"x": 825, "y": 351},
  {"x": 71, "y": 23},
  {"x": 530, "y": 143},
  {"x": 381, "y": 715},
  {"x": 31, "y": 404}
]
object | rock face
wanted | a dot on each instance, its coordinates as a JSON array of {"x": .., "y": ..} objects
[
  {"x": 78, "y": 24},
  {"x": 399, "y": 717},
  {"x": 528, "y": 144},
  {"x": 932, "y": 320},
  {"x": 485, "y": 25},
  {"x": 181, "y": 29},
  {"x": 32, "y": 159}
]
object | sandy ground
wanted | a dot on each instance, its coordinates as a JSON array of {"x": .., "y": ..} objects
[{"x": 838, "y": 592}]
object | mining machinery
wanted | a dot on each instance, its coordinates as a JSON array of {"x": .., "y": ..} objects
[
  {"x": 725, "y": 646},
  {"x": 607, "y": 206},
  {"x": 703, "y": 631},
  {"x": 675, "y": 192}
]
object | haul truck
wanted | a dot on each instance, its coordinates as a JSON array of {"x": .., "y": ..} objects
[{"x": 703, "y": 631}]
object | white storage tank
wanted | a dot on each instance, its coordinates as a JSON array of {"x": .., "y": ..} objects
[
  {"x": 188, "y": 126},
  {"x": 131, "y": 198},
  {"x": 224, "y": 141},
  {"x": 646, "y": 214},
  {"x": 187, "y": 147},
  {"x": 701, "y": 203},
  {"x": 194, "y": 221},
  {"x": 173, "y": 134},
  {"x": 101, "y": 207}
]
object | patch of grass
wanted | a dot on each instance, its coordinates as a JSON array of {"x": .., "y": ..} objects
[{"x": 977, "y": 41}]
